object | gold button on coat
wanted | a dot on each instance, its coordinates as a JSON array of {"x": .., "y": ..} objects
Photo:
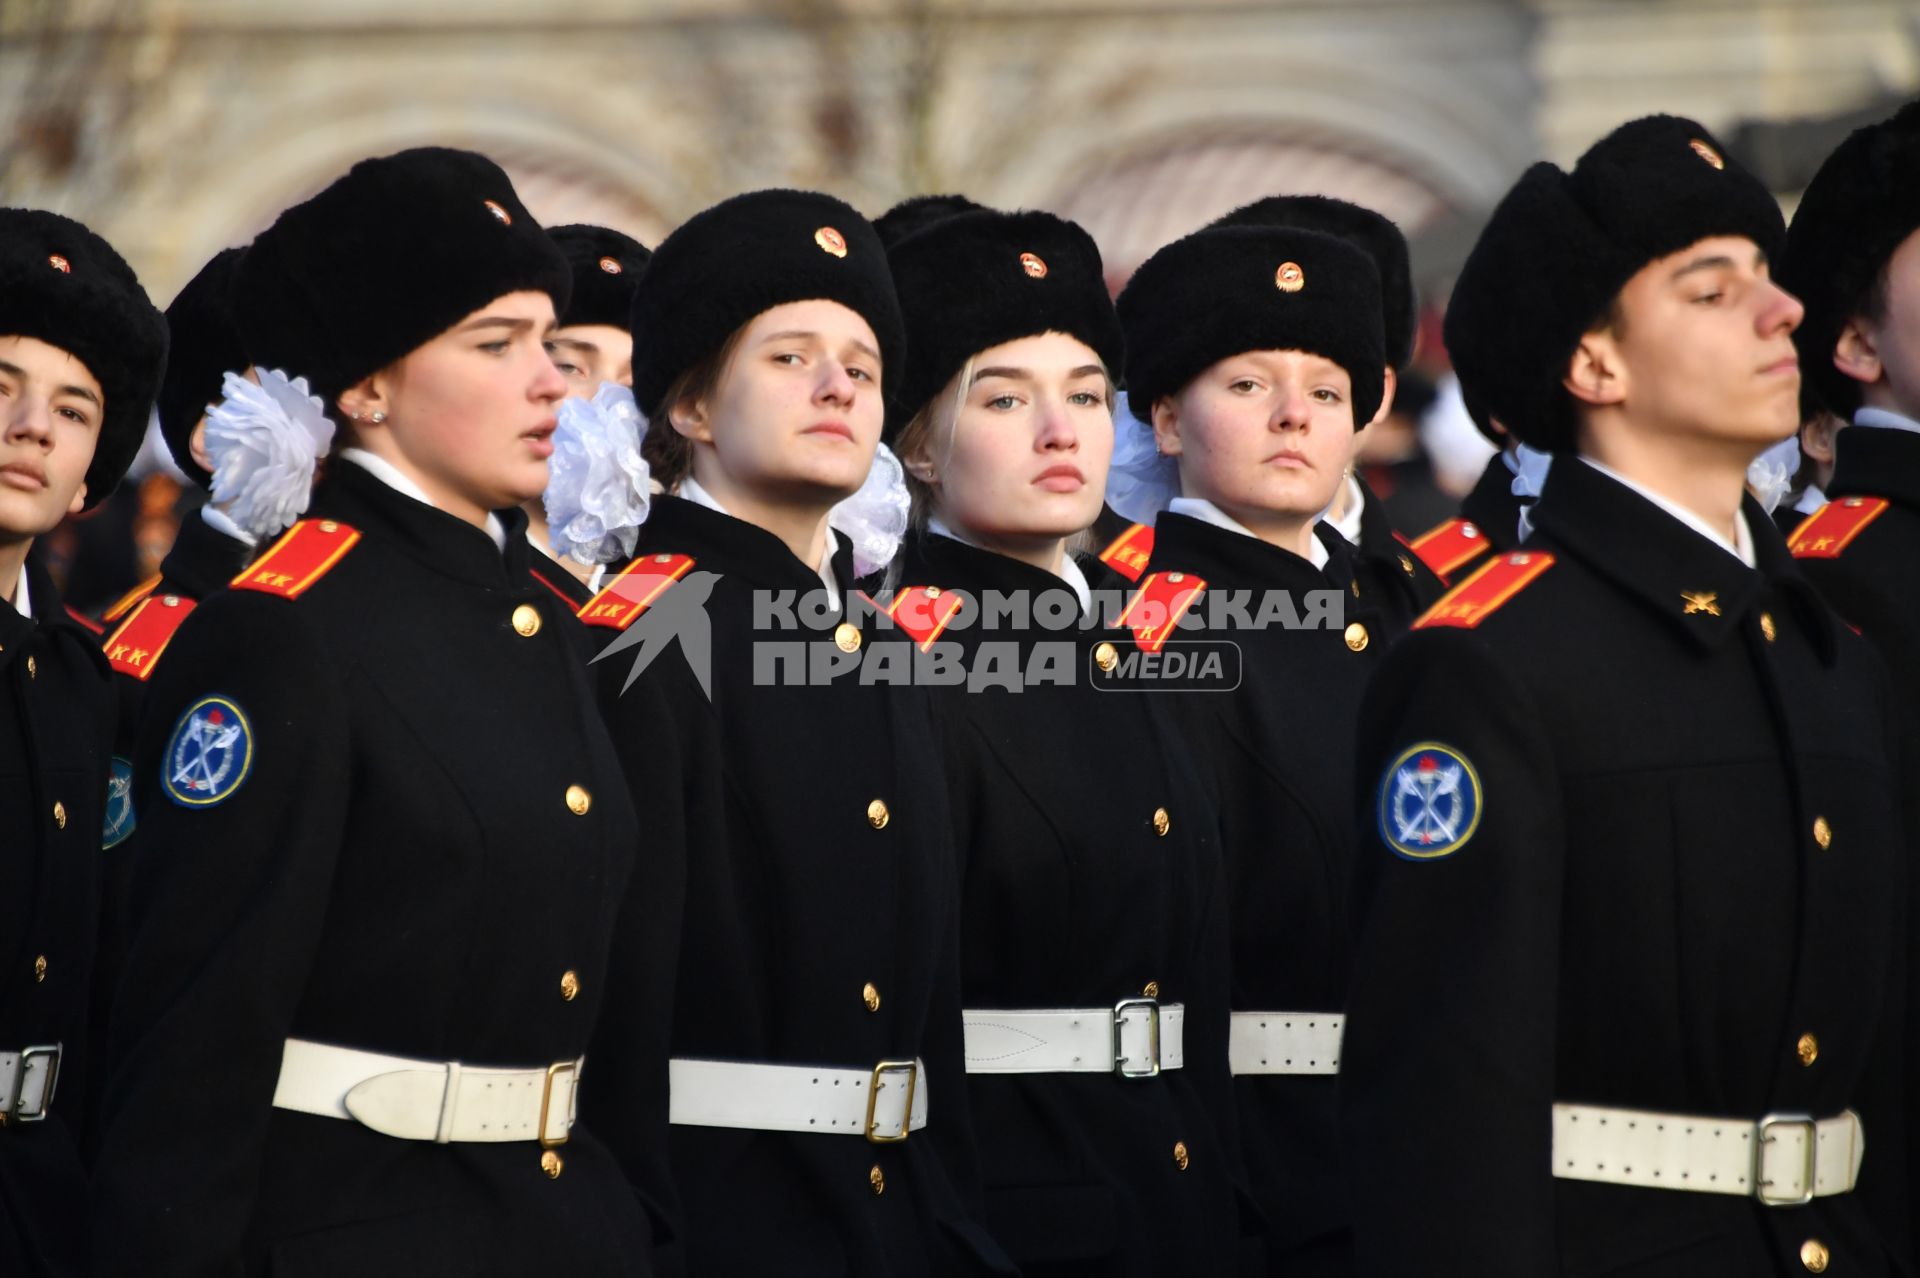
[
  {"x": 877, "y": 1178},
  {"x": 33, "y": 668},
  {"x": 569, "y": 985},
  {"x": 40, "y": 968},
  {"x": 1815, "y": 1256},
  {"x": 1180, "y": 1158},
  {"x": 59, "y": 814},
  {"x": 1150, "y": 990},
  {"x": 551, "y": 1163},
  {"x": 846, "y": 637},
  {"x": 578, "y": 800},
  {"x": 1767, "y": 630},
  {"x": 870, "y": 996},
  {"x": 1357, "y": 637},
  {"x": 1161, "y": 822},
  {"x": 1822, "y": 833},
  {"x": 877, "y": 814},
  {"x": 1808, "y": 1049},
  {"x": 1406, "y": 565},
  {"x": 526, "y": 620},
  {"x": 1106, "y": 657}
]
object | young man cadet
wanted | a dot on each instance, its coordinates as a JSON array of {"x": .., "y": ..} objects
[
  {"x": 80, "y": 355},
  {"x": 1627, "y": 992}
]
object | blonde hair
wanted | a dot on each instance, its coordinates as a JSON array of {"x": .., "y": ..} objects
[{"x": 929, "y": 429}]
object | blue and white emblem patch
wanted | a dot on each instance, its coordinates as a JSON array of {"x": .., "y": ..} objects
[
  {"x": 209, "y": 755},
  {"x": 119, "y": 819},
  {"x": 1429, "y": 802}
]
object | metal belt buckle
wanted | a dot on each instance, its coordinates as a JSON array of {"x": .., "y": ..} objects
[
  {"x": 1764, "y": 1137},
  {"x": 20, "y": 1071},
  {"x": 546, "y": 1102},
  {"x": 912, "y": 1070},
  {"x": 1121, "y": 1010}
]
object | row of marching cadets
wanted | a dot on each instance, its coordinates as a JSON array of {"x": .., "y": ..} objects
[{"x": 482, "y": 899}]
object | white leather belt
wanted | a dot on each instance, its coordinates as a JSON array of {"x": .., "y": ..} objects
[
  {"x": 1784, "y": 1160},
  {"x": 884, "y": 1104},
  {"x": 1136, "y": 1038},
  {"x": 1285, "y": 1042},
  {"x": 440, "y": 1101},
  {"x": 27, "y": 1079}
]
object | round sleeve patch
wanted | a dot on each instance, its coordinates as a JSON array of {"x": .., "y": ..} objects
[
  {"x": 209, "y": 755},
  {"x": 119, "y": 818},
  {"x": 1429, "y": 802}
]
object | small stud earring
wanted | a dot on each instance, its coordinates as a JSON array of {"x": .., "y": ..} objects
[{"x": 378, "y": 417}]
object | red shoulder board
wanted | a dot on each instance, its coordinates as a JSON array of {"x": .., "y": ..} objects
[
  {"x": 304, "y": 554},
  {"x": 1156, "y": 608},
  {"x": 1475, "y": 599},
  {"x": 1450, "y": 547},
  {"x": 924, "y": 612},
  {"x": 134, "y": 649},
  {"x": 621, "y": 602},
  {"x": 1130, "y": 551},
  {"x": 85, "y": 622},
  {"x": 1830, "y": 529},
  {"x": 125, "y": 603}
]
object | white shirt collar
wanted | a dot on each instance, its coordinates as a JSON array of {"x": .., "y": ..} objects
[
  {"x": 691, "y": 490},
  {"x": 1884, "y": 419},
  {"x": 1207, "y": 512},
  {"x": 22, "y": 597},
  {"x": 1810, "y": 500},
  {"x": 221, "y": 522},
  {"x": 393, "y": 477},
  {"x": 1348, "y": 525},
  {"x": 1741, "y": 547},
  {"x": 1069, "y": 570}
]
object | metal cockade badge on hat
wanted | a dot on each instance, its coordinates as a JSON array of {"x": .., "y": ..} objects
[
  {"x": 1289, "y": 278},
  {"x": 59, "y": 264},
  {"x": 831, "y": 240},
  {"x": 610, "y": 265},
  {"x": 1033, "y": 265},
  {"x": 1707, "y": 153},
  {"x": 505, "y": 218}
]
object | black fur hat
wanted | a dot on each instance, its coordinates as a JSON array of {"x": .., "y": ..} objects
[
  {"x": 1222, "y": 291},
  {"x": 1861, "y": 206},
  {"x": 65, "y": 286},
  {"x": 206, "y": 345},
  {"x": 975, "y": 280},
  {"x": 918, "y": 213},
  {"x": 1560, "y": 246},
  {"x": 750, "y": 254},
  {"x": 1364, "y": 228},
  {"x": 606, "y": 269},
  {"x": 387, "y": 258}
]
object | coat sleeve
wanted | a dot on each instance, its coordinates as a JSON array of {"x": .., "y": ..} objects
[
  {"x": 226, "y": 910},
  {"x": 1447, "y": 1073}
]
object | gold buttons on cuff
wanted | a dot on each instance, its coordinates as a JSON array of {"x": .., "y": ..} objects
[
  {"x": 1106, "y": 657},
  {"x": 1822, "y": 833},
  {"x": 1815, "y": 1256},
  {"x": 846, "y": 637},
  {"x": 569, "y": 985},
  {"x": 877, "y": 814},
  {"x": 59, "y": 814},
  {"x": 578, "y": 800},
  {"x": 40, "y": 968},
  {"x": 551, "y": 1163},
  {"x": 1808, "y": 1049},
  {"x": 1161, "y": 822},
  {"x": 1180, "y": 1158},
  {"x": 33, "y": 668},
  {"x": 877, "y": 1178},
  {"x": 1357, "y": 637},
  {"x": 1767, "y": 630},
  {"x": 526, "y": 620},
  {"x": 870, "y": 996},
  {"x": 1150, "y": 990}
]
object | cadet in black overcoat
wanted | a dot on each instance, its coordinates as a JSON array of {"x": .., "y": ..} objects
[
  {"x": 1095, "y": 901},
  {"x": 818, "y": 980},
  {"x": 81, "y": 349},
  {"x": 1628, "y": 988},
  {"x": 384, "y": 839},
  {"x": 1255, "y": 352}
]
